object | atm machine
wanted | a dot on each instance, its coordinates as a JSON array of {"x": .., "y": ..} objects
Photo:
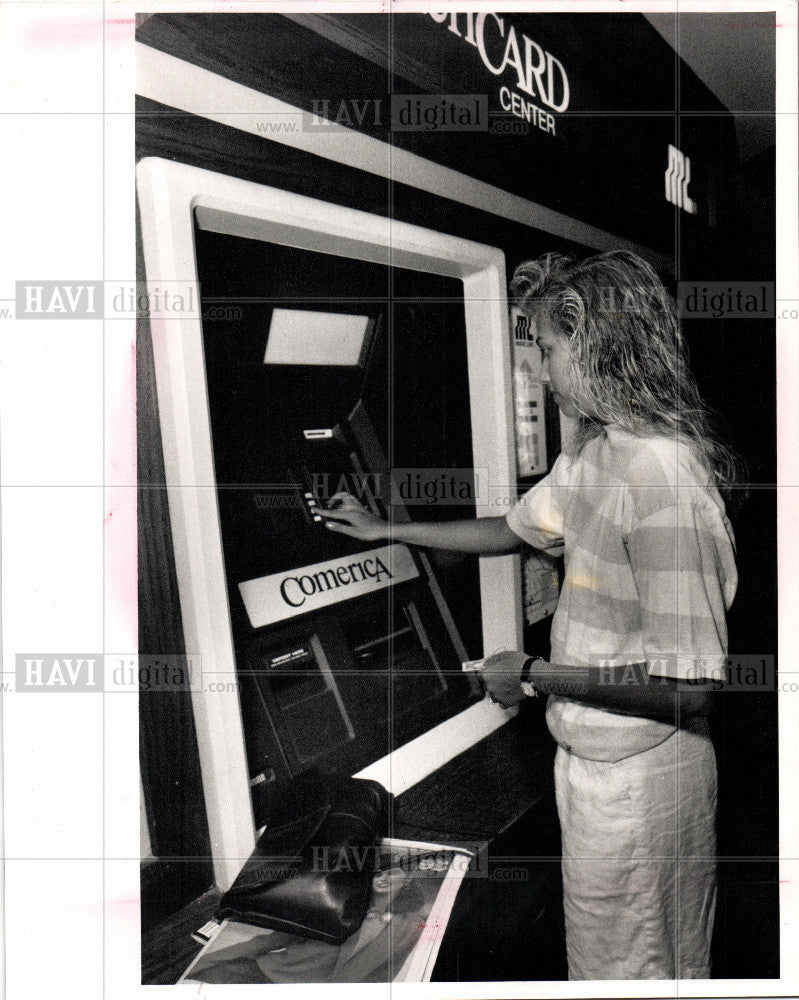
[{"x": 321, "y": 361}]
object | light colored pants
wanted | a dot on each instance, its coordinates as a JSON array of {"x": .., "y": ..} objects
[{"x": 639, "y": 869}]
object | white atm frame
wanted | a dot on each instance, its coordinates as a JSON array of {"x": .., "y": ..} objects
[{"x": 168, "y": 194}]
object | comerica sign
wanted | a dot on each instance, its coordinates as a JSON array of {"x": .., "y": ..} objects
[
  {"x": 538, "y": 74},
  {"x": 273, "y": 598}
]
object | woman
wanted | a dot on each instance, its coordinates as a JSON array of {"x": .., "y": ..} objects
[{"x": 649, "y": 573}]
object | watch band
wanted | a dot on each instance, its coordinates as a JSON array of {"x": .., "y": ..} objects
[{"x": 527, "y": 685}]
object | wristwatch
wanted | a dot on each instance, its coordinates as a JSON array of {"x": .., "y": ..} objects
[{"x": 527, "y": 685}]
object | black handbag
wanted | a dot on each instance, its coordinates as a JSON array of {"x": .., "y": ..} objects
[{"x": 312, "y": 868}]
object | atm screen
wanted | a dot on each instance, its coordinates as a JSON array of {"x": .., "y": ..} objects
[
  {"x": 327, "y": 374},
  {"x": 314, "y": 337}
]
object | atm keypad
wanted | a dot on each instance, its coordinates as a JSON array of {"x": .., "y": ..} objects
[{"x": 313, "y": 504}]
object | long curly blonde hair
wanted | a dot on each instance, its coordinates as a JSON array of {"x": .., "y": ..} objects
[{"x": 629, "y": 358}]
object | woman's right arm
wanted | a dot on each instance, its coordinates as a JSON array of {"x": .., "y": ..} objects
[{"x": 483, "y": 535}]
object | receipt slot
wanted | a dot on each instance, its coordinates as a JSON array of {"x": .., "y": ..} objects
[{"x": 344, "y": 650}]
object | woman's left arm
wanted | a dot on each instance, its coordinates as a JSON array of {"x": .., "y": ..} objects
[{"x": 630, "y": 689}]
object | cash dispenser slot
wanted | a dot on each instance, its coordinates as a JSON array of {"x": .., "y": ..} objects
[{"x": 294, "y": 686}]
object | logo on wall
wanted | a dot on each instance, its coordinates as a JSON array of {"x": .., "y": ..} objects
[
  {"x": 523, "y": 329},
  {"x": 678, "y": 176}
]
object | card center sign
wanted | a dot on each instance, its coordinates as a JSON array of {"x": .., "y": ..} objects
[{"x": 539, "y": 74}]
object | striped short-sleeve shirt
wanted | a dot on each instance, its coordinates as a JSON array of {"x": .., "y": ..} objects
[{"x": 649, "y": 572}]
